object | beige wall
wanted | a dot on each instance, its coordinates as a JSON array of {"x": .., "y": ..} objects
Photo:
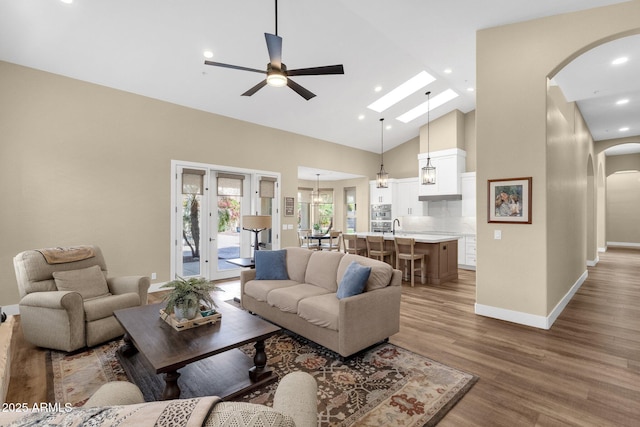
[
  {"x": 521, "y": 272},
  {"x": 445, "y": 132},
  {"x": 82, "y": 163},
  {"x": 623, "y": 199},
  {"x": 402, "y": 161}
]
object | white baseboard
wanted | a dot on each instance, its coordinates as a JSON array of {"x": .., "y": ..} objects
[
  {"x": 624, "y": 244},
  {"x": 12, "y": 309},
  {"x": 527, "y": 319},
  {"x": 602, "y": 249},
  {"x": 593, "y": 262}
]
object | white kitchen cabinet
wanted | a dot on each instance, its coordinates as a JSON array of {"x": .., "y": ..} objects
[
  {"x": 406, "y": 200},
  {"x": 468, "y": 184},
  {"x": 449, "y": 165},
  {"x": 470, "y": 250},
  {"x": 381, "y": 196}
]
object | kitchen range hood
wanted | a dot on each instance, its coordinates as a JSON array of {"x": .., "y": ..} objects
[
  {"x": 450, "y": 164},
  {"x": 438, "y": 197}
]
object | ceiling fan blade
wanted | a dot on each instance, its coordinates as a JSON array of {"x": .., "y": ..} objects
[
  {"x": 274, "y": 46},
  {"x": 306, "y": 94},
  {"x": 234, "y": 67},
  {"x": 317, "y": 71},
  {"x": 255, "y": 88}
]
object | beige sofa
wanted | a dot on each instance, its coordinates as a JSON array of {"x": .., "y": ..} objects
[
  {"x": 68, "y": 304},
  {"x": 121, "y": 404},
  {"x": 307, "y": 304}
]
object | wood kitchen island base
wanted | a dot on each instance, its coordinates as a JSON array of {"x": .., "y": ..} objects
[{"x": 441, "y": 253}]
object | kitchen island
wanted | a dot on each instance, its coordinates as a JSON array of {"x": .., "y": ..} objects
[{"x": 441, "y": 253}]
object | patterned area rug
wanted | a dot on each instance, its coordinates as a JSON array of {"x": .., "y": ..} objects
[
  {"x": 76, "y": 376},
  {"x": 385, "y": 385}
]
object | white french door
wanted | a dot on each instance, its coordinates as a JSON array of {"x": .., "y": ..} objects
[{"x": 209, "y": 204}]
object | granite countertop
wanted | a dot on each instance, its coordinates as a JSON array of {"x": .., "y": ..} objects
[{"x": 420, "y": 237}]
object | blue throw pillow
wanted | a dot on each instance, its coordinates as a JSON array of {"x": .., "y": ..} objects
[
  {"x": 354, "y": 280},
  {"x": 271, "y": 265}
]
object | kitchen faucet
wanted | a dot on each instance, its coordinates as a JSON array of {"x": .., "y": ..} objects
[{"x": 394, "y": 226}]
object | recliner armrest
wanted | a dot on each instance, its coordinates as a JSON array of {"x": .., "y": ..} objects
[
  {"x": 126, "y": 284},
  {"x": 297, "y": 397},
  {"x": 65, "y": 300}
]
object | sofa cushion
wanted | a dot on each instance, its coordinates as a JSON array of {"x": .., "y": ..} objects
[
  {"x": 88, "y": 282},
  {"x": 381, "y": 272},
  {"x": 99, "y": 308},
  {"x": 321, "y": 269},
  {"x": 259, "y": 289},
  {"x": 322, "y": 310},
  {"x": 297, "y": 259},
  {"x": 242, "y": 414},
  {"x": 353, "y": 281},
  {"x": 286, "y": 299},
  {"x": 271, "y": 265}
]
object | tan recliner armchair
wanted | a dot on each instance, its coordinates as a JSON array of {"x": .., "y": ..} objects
[{"x": 67, "y": 300}]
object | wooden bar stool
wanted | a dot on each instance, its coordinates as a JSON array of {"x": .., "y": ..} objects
[
  {"x": 350, "y": 242},
  {"x": 405, "y": 251},
  {"x": 375, "y": 249}
]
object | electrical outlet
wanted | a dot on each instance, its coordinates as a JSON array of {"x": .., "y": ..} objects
[
  {"x": 497, "y": 234},
  {"x": 153, "y": 276}
]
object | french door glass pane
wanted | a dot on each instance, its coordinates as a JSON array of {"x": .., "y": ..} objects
[
  {"x": 191, "y": 225},
  {"x": 228, "y": 230}
]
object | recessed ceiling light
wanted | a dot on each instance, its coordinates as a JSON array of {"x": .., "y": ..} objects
[
  {"x": 470, "y": 89},
  {"x": 67, "y": 1},
  {"x": 624, "y": 129},
  {"x": 622, "y": 102},
  {"x": 208, "y": 54},
  {"x": 448, "y": 71},
  {"x": 620, "y": 60},
  {"x": 431, "y": 104},
  {"x": 388, "y": 127},
  {"x": 401, "y": 92},
  {"x": 377, "y": 88},
  {"x": 361, "y": 117}
]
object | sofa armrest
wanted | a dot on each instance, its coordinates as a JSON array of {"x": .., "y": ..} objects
[
  {"x": 370, "y": 315},
  {"x": 297, "y": 397},
  {"x": 245, "y": 276},
  {"x": 126, "y": 284},
  {"x": 59, "y": 300},
  {"x": 115, "y": 393}
]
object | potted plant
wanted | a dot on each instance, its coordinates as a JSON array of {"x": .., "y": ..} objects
[{"x": 185, "y": 297}]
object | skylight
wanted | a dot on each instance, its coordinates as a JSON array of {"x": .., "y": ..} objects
[
  {"x": 401, "y": 92},
  {"x": 433, "y": 103}
]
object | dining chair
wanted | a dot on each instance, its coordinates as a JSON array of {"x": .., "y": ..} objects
[
  {"x": 335, "y": 241},
  {"x": 376, "y": 249},
  {"x": 350, "y": 244},
  {"x": 305, "y": 241},
  {"x": 405, "y": 250}
]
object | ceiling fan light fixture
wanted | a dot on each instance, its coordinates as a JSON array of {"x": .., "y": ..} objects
[{"x": 276, "y": 79}]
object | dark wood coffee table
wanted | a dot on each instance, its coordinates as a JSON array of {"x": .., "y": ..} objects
[{"x": 207, "y": 356}]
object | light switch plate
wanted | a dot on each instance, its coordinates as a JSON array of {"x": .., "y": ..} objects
[{"x": 497, "y": 234}]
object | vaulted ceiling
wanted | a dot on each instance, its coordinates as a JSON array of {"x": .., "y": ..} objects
[{"x": 155, "y": 48}]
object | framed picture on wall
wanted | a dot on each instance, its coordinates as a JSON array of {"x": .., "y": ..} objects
[
  {"x": 509, "y": 200},
  {"x": 289, "y": 206}
]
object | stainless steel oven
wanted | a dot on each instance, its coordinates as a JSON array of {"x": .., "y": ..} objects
[
  {"x": 381, "y": 226},
  {"x": 381, "y": 213}
]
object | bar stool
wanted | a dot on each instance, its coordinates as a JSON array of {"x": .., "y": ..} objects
[
  {"x": 375, "y": 249},
  {"x": 405, "y": 251},
  {"x": 335, "y": 241},
  {"x": 350, "y": 242}
]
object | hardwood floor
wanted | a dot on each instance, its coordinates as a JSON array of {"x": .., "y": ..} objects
[{"x": 584, "y": 371}]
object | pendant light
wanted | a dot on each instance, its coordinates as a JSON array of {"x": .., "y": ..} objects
[
  {"x": 428, "y": 173},
  {"x": 315, "y": 195},
  {"x": 382, "y": 177}
]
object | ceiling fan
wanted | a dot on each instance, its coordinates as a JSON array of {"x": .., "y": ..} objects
[{"x": 277, "y": 72}]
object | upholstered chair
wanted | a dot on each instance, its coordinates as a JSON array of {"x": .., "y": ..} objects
[{"x": 67, "y": 300}]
